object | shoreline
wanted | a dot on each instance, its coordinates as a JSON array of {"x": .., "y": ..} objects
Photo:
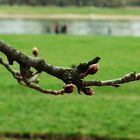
[{"x": 70, "y": 16}]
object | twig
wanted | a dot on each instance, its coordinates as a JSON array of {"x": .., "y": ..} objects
[
  {"x": 70, "y": 76},
  {"x": 133, "y": 76},
  {"x": 29, "y": 84}
]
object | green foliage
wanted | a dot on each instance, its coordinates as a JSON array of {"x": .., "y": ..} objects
[
  {"x": 111, "y": 111},
  {"x": 102, "y": 3}
]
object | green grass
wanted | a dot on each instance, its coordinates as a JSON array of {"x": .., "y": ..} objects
[
  {"x": 113, "y": 112},
  {"x": 61, "y": 10}
]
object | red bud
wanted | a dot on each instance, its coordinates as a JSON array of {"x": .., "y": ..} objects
[
  {"x": 69, "y": 88},
  {"x": 88, "y": 91},
  {"x": 93, "y": 69},
  {"x": 35, "y": 51}
]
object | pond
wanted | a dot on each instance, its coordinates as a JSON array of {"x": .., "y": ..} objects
[{"x": 74, "y": 27}]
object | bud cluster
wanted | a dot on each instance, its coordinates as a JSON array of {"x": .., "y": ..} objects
[
  {"x": 88, "y": 91},
  {"x": 35, "y": 51},
  {"x": 92, "y": 69},
  {"x": 69, "y": 88}
]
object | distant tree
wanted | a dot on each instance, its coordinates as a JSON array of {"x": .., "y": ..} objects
[
  {"x": 100, "y": 3},
  {"x": 43, "y": 2},
  {"x": 62, "y": 2},
  {"x": 134, "y": 2},
  {"x": 110, "y": 3}
]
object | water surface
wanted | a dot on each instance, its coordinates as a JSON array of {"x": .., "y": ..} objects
[{"x": 74, "y": 27}]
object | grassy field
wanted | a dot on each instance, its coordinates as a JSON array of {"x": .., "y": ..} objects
[
  {"x": 111, "y": 112},
  {"x": 66, "y": 10}
]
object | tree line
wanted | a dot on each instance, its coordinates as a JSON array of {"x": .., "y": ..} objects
[{"x": 99, "y": 3}]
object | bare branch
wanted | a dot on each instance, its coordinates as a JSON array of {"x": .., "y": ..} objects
[
  {"x": 13, "y": 72},
  {"x": 39, "y": 64},
  {"x": 46, "y": 91},
  {"x": 133, "y": 76},
  {"x": 31, "y": 81},
  {"x": 70, "y": 76}
]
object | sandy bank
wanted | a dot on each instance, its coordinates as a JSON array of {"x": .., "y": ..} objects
[{"x": 70, "y": 16}]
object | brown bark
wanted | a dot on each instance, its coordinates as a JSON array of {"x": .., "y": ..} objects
[{"x": 70, "y": 76}]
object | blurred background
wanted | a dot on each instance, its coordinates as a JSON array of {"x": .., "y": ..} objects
[
  {"x": 68, "y": 32},
  {"x": 99, "y": 3},
  {"x": 42, "y": 22}
]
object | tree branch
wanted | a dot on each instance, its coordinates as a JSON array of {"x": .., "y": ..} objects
[
  {"x": 133, "y": 76},
  {"x": 27, "y": 61},
  {"x": 70, "y": 76},
  {"x": 31, "y": 82}
]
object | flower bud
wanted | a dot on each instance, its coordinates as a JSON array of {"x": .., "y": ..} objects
[
  {"x": 88, "y": 91},
  {"x": 35, "y": 51},
  {"x": 92, "y": 69},
  {"x": 69, "y": 88}
]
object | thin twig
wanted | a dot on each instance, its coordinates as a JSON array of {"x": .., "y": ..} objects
[
  {"x": 30, "y": 84},
  {"x": 133, "y": 76}
]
